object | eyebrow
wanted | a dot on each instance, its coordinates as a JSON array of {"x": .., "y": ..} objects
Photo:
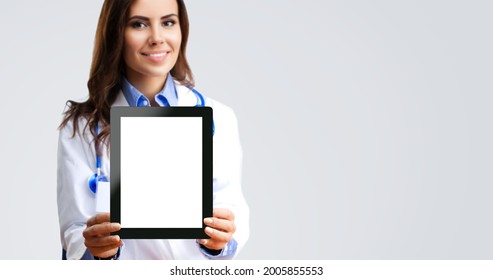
[{"x": 147, "y": 19}]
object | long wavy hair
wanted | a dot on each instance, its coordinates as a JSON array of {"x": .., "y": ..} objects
[{"x": 108, "y": 68}]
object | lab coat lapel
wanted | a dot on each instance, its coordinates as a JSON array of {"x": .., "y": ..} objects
[
  {"x": 120, "y": 101},
  {"x": 185, "y": 96}
]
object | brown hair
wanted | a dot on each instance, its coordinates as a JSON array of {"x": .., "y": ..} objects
[{"x": 108, "y": 68}]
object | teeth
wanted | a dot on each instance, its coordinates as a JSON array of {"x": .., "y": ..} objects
[{"x": 156, "y": 54}]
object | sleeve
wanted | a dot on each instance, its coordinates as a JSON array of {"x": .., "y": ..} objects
[
  {"x": 75, "y": 164},
  {"x": 226, "y": 253},
  {"x": 227, "y": 174}
]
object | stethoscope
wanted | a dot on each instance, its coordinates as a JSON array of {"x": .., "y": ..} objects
[{"x": 98, "y": 177}]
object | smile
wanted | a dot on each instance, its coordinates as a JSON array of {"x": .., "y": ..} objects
[
  {"x": 156, "y": 57},
  {"x": 155, "y": 54}
]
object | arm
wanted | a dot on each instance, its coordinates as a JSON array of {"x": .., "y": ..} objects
[{"x": 76, "y": 162}]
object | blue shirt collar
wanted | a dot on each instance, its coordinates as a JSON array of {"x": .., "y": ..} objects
[{"x": 166, "y": 97}]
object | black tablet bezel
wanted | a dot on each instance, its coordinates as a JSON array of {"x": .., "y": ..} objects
[{"x": 161, "y": 233}]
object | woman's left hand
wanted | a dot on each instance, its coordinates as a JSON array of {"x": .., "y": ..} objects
[{"x": 220, "y": 228}]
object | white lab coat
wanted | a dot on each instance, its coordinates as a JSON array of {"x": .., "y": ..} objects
[{"x": 76, "y": 202}]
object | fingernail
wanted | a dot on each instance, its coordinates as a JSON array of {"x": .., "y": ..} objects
[
  {"x": 208, "y": 221},
  {"x": 208, "y": 230},
  {"x": 115, "y": 226}
]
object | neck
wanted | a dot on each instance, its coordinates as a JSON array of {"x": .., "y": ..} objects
[{"x": 148, "y": 86}]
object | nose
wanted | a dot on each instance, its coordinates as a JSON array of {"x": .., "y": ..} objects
[{"x": 156, "y": 36}]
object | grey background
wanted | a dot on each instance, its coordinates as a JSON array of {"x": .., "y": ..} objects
[{"x": 366, "y": 125}]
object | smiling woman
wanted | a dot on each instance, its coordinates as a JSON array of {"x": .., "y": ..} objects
[{"x": 140, "y": 60}]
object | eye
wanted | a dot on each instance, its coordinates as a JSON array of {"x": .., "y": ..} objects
[
  {"x": 138, "y": 24},
  {"x": 169, "y": 23}
]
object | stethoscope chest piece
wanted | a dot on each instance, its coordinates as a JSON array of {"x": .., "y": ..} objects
[{"x": 93, "y": 182}]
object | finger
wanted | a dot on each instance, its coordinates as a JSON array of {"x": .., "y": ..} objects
[
  {"x": 102, "y": 241},
  {"x": 98, "y": 219},
  {"x": 223, "y": 213},
  {"x": 218, "y": 235},
  {"x": 211, "y": 244},
  {"x": 100, "y": 230},
  {"x": 221, "y": 224},
  {"x": 105, "y": 252}
]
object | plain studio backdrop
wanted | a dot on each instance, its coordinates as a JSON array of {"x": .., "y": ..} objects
[{"x": 365, "y": 125}]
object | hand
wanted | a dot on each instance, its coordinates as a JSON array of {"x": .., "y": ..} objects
[
  {"x": 97, "y": 236},
  {"x": 220, "y": 228}
]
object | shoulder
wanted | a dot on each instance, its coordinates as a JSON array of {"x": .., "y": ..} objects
[
  {"x": 224, "y": 117},
  {"x": 220, "y": 108}
]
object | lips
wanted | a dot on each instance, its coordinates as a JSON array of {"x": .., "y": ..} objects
[{"x": 155, "y": 54}]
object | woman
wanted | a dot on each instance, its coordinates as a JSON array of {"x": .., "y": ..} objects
[{"x": 139, "y": 60}]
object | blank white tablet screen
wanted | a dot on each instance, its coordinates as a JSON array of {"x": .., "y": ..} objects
[{"x": 161, "y": 172}]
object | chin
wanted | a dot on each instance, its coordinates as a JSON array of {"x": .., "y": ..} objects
[{"x": 155, "y": 73}]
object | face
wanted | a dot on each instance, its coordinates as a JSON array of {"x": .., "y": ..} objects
[{"x": 152, "y": 38}]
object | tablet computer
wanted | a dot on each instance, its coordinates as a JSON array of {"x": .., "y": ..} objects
[{"x": 161, "y": 171}]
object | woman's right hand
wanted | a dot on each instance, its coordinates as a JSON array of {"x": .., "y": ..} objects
[{"x": 97, "y": 236}]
